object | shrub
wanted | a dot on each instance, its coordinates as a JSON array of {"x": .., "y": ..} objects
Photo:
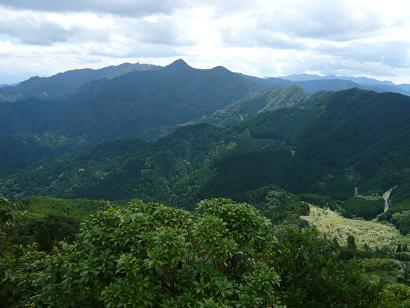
[{"x": 153, "y": 255}]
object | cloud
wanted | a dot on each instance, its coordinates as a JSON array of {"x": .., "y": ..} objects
[
  {"x": 121, "y": 7},
  {"x": 259, "y": 37},
  {"x": 46, "y": 29}
]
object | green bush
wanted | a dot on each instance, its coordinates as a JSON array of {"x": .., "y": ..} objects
[
  {"x": 153, "y": 255},
  {"x": 402, "y": 221}
]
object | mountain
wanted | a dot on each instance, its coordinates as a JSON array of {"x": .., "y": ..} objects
[
  {"x": 3, "y": 85},
  {"x": 21, "y": 142},
  {"x": 266, "y": 100},
  {"x": 144, "y": 104},
  {"x": 62, "y": 84},
  {"x": 356, "y": 82},
  {"x": 316, "y": 85},
  {"x": 304, "y": 77},
  {"x": 254, "y": 132},
  {"x": 367, "y": 81},
  {"x": 331, "y": 143},
  {"x": 140, "y": 104},
  {"x": 108, "y": 170},
  {"x": 405, "y": 87}
]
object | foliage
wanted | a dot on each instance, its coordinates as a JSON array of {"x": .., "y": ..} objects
[
  {"x": 153, "y": 255},
  {"x": 312, "y": 275},
  {"x": 402, "y": 221},
  {"x": 321, "y": 201},
  {"x": 404, "y": 276},
  {"x": 48, "y": 231},
  {"x": 362, "y": 207},
  {"x": 280, "y": 206},
  {"x": 351, "y": 242},
  {"x": 381, "y": 268},
  {"x": 41, "y": 206},
  {"x": 396, "y": 295}
]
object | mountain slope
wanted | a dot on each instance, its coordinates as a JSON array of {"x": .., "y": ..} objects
[
  {"x": 266, "y": 100},
  {"x": 62, "y": 84},
  {"x": 140, "y": 104},
  {"x": 145, "y": 104},
  {"x": 330, "y": 144},
  {"x": 150, "y": 171}
]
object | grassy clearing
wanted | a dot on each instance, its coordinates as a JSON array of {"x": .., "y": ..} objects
[{"x": 372, "y": 233}]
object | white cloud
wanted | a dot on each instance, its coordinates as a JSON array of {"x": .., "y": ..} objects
[
  {"x": 121, "y": 7},
  {"x": 260, "y": 37}
]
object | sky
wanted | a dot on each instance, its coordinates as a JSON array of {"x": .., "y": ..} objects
[{"x": 259, "y": 37}]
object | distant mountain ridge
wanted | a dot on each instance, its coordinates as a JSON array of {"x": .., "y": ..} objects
[
  {"x": 144, "y": 104},
  {"x": 62, "y": 84},
  {"x": 359, "y": 82}
]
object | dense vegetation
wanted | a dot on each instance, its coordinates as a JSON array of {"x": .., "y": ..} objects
[
  {"x": 222, "y": 253},
  {"x": 362, "y": 207}
]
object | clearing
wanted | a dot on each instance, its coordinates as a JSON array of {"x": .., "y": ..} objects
[{"x": 374, "y": 234}]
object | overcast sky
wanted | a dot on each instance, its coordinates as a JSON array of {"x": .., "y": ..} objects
[{"x": 257, "y": 37}]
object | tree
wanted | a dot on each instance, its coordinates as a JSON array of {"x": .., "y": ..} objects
[
  {"x": 351, "y": 242},
  {"x": 48, "y": 231},
  {"x": 153, "y": 255}
]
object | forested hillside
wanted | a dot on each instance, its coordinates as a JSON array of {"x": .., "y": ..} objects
[
  {"x": 144, "y": 104},
  {"x": 327, "y": 144}
]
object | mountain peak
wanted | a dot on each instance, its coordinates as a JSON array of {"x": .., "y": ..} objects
[
  {"x": 221, "y": 69},
  {"x": 178, "y": 64}
]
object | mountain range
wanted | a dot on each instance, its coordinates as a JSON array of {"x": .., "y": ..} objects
[
  {"x": 62, "y": 84},
  {"x": 178, "y": 134}
]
